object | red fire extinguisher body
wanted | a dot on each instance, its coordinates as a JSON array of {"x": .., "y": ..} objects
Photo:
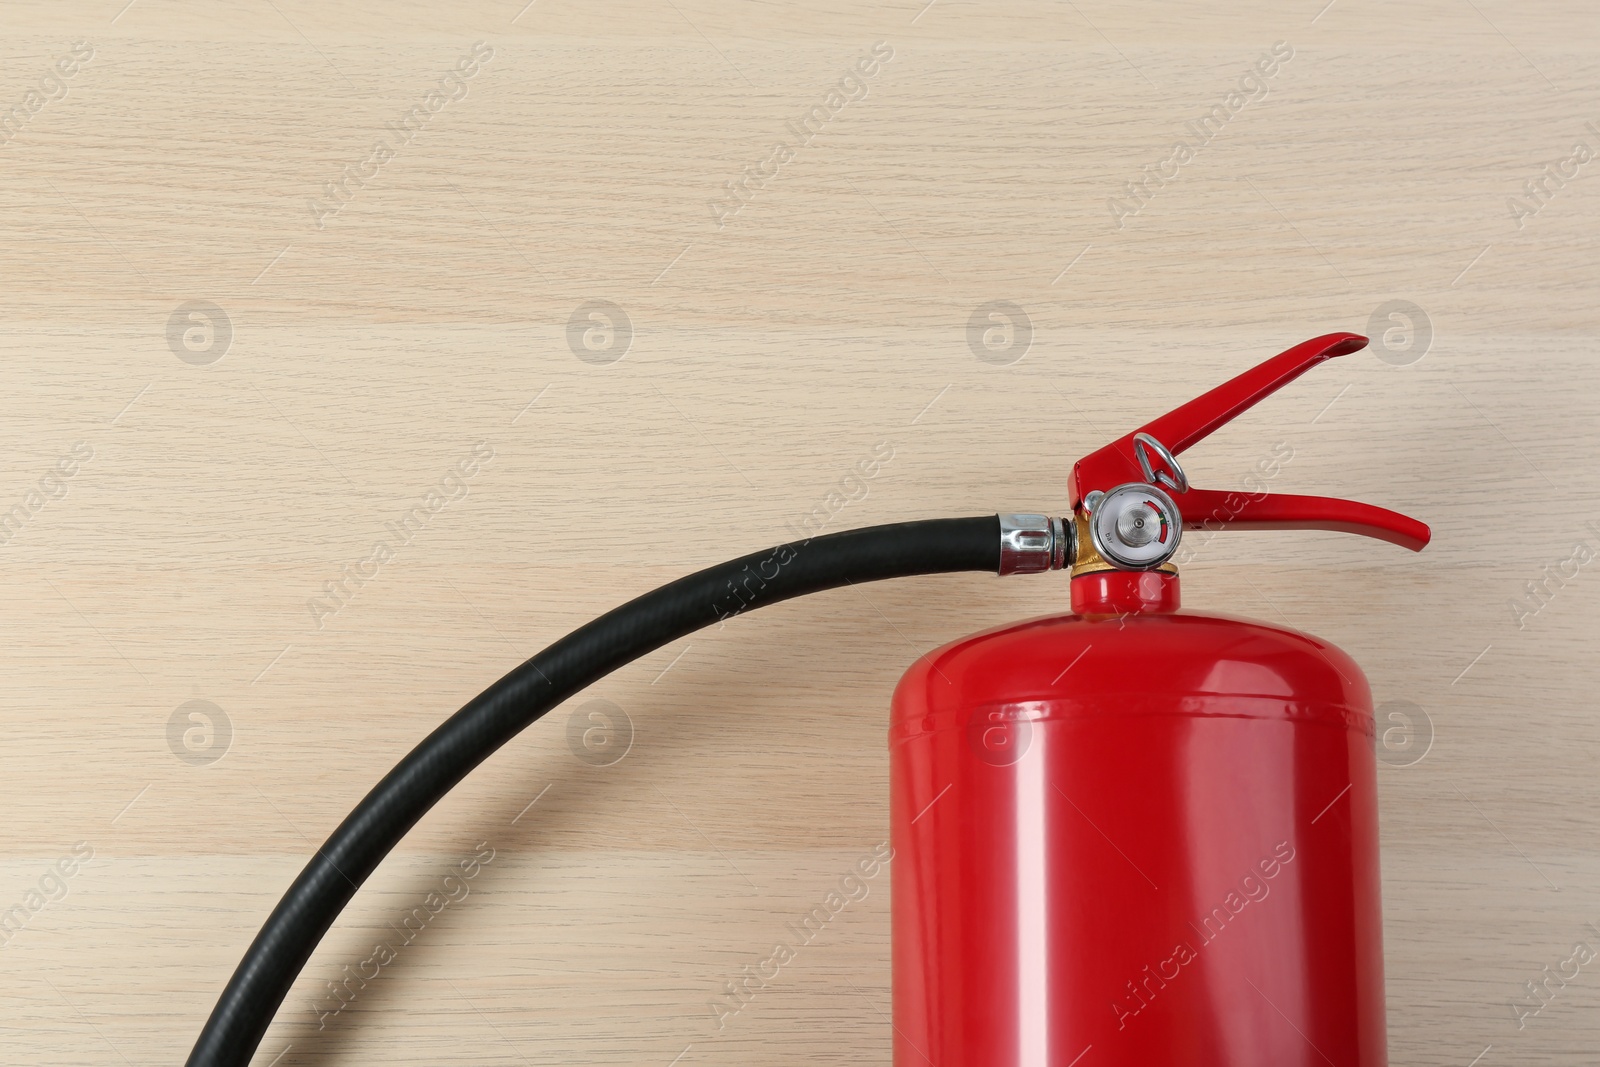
[{"x": 1134, "y": 835}]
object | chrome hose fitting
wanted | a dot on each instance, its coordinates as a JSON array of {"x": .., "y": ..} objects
[{"x": 1033, "y": 543}]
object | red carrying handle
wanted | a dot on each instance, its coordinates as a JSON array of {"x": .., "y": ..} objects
[{"x": 1184, "y": 426}]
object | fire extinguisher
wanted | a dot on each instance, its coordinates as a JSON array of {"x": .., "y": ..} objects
[
  {"x": 1136, "y": 833},
  {"x": 1128, "y": 835}
]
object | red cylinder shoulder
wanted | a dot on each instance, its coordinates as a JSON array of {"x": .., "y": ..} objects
[{"x": 1191, "y": 663}]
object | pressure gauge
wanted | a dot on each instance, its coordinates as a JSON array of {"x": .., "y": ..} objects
[{"x": 1135, "y": 527}]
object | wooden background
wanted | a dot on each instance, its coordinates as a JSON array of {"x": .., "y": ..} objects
[{"x": 238, "y": 462}]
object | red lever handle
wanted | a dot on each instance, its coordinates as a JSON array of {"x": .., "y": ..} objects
[
  {"x": 1204, "y": 508},
  {"x": 1182, "y": 427}
]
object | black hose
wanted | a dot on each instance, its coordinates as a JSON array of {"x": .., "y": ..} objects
[{"x": 471, "y": 735}]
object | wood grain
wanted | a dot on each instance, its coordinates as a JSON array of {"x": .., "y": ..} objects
[{"x": 825, "y": 318}]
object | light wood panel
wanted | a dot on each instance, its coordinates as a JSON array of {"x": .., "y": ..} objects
[{"x": 826, "y": 318}]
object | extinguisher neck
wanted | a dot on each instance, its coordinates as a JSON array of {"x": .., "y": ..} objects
[{"x": 1125, "y": 593}]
